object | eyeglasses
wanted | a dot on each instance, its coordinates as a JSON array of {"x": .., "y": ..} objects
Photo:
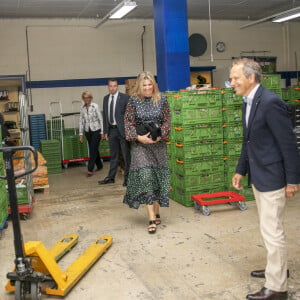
[{"x": 84, "y": 98}]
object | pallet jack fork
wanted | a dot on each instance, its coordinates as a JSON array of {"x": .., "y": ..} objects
[{"x": 36, "y": 268}]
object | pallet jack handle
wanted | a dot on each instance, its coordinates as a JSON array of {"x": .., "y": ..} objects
[{"x": 13, "y": 201}]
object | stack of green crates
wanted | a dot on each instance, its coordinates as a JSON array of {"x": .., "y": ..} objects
[
  {"x": 51, "y": 150},
  {"x": 195, "y": 148},
  {"x": 272, "y": 82},
  {"x": 3, "y": 193}
]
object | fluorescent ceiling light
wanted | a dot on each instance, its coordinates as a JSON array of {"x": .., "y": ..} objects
[
  {"x": 287, "y": 16},
  {"x": 124, "y": 8},
  {"x": 279, "y": 17}
]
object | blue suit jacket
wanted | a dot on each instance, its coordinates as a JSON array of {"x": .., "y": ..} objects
[
  {"x": 269, "y": 153},
  {"x": 121, "y": 105}
]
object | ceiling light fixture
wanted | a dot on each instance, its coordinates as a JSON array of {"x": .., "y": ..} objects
[
  {"x": 292, "y": 14},
  {"x": 121, "y": 10},
  {"x": 124, "y": 8}
]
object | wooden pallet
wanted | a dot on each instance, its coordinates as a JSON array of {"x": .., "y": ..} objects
[{"x": 42, "y": 188}]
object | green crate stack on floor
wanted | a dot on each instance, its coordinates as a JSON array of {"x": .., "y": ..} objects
[
  {"x": 196, "y": 146},
  {"x": 51, "y": 150},
  {"x": 172, "y": 97},
  {"x": 272, "y": 82},
  {"x": 233, "y": 139}
]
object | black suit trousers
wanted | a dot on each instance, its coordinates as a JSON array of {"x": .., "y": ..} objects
[
  {"x": 116, "y": 143},
  {"x": 93, "y": 138}
]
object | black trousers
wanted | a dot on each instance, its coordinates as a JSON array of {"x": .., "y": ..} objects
[
  {"x": 93, "y": 138},
  {"x": 116, "y": 143}
]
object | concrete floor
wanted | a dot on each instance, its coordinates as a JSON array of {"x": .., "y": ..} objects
[{"x": 190, "y": 257}]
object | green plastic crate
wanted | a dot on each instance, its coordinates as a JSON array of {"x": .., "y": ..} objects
[
  {"x": 232, "y": 114},
  {"x": 198, "y": 150},
  {"x": 233, "y": 131},
  {"x": 191, "y": 133},
  {"x": 233, "y": 148},
  {"x": 231, "y": 98},
  {"x": 210, "y": 179},
  {"x": 196, "y": 167},
  {"x": 202, "y": 115},
  {"x": 271, "y": 81},
  {"x": 195, "y": 99}
]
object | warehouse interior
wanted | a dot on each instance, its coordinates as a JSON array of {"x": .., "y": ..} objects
[{"x": 52, "y": 51}]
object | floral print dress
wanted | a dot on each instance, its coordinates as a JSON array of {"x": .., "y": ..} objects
[{"x": 148, "y": 178}]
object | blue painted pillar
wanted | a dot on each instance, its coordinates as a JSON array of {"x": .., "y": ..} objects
[{"x": 172, "y": 47}]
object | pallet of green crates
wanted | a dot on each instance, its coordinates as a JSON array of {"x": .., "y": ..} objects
[
  {"x": 192, "y": 133},
  {"x": 51, "y": 150}
]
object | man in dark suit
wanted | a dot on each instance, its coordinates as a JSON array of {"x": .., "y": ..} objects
[
  {"x": 271, "y": 158},
  {"x": 114, "y": 106}
]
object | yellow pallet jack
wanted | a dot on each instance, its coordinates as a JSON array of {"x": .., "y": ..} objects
[{"x": 36, "y": 269}]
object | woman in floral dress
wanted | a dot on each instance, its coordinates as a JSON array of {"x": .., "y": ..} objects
[{"x": 148, "y": 180}]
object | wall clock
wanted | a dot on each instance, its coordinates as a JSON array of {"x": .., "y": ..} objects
[{"x": 220, "y": 46}]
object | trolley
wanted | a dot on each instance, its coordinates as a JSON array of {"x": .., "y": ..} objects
[{"x": 57, "y": 126}]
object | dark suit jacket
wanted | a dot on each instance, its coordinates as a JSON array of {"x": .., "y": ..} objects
[
  {"x": 269, "y": 153},
  {"x": 119, "y": 113}
]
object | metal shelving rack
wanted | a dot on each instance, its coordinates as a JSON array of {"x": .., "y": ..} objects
[{"x": 25, "y": 209}]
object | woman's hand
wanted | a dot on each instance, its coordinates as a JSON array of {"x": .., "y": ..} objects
[
  {"x": 144, "y": 139},
  {"x": 81, "y": 138}
]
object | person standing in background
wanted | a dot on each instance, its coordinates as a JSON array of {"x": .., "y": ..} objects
[
  {"x": 90, "y": 124},
  {"x": 270, "y": 156},
  {"x": 114, "y": 105},
  {"x": 147, "y": 126}
]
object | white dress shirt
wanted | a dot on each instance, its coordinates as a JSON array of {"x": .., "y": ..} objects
[
  {"x": 249, "y": 100},
  {"x": 116, "y": 95}
]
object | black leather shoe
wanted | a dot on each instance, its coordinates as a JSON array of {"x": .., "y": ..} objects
[
  {"x": 106, "y": 181},
  {"x": 261, "y": 273},
  {"x": 266, "y": 294}
]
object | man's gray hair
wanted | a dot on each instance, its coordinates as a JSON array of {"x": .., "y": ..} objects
[{"x": 249, "y": 67}]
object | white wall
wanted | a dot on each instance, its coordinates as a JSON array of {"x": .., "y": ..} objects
[{"x": 73, "y": 49}]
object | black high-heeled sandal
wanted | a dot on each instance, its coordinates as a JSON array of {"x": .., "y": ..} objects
[
  {"x": 152, "y": 227},
  {"x": 158, "y": 220}
]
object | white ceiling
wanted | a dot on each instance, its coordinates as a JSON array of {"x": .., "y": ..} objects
[{"x": 197, "y": 9}]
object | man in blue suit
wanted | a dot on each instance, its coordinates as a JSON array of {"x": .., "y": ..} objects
[{"x": 271, "y": 158}]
